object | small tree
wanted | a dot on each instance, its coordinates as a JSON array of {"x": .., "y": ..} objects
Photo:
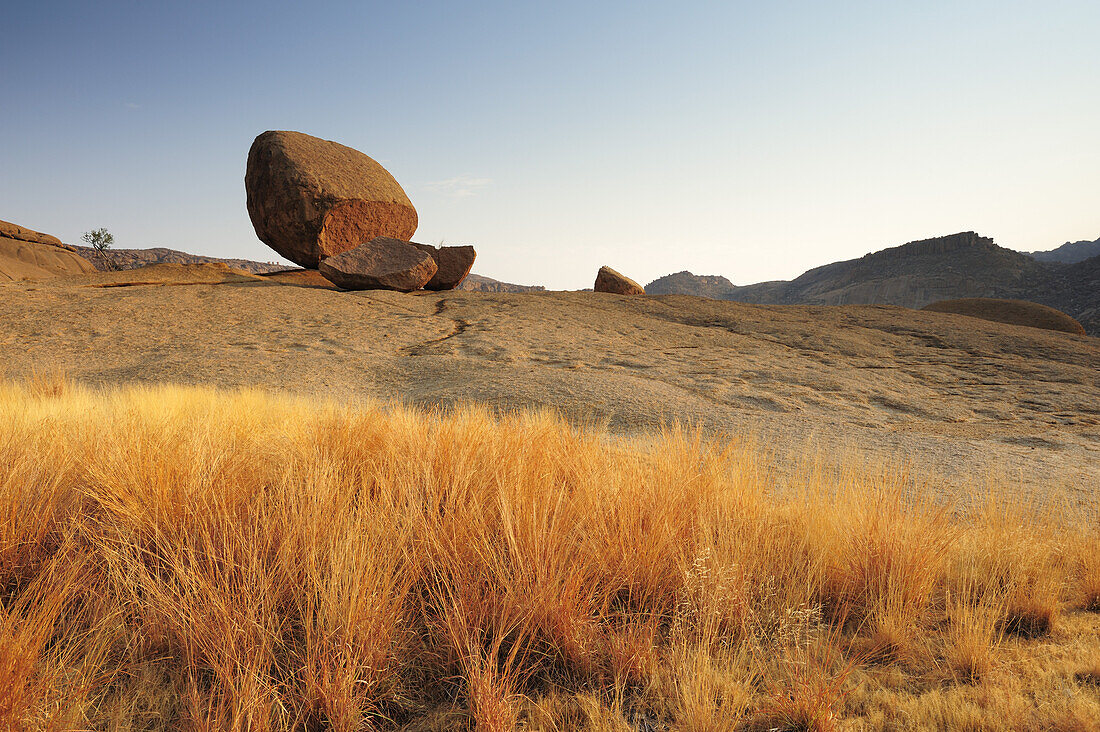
[{"x": 101, "y": 240}]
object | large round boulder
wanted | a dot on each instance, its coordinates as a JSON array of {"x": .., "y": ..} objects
[
  {"x": 380, "y": 264},
  {"x": 310, "y": 198},
  {"x": 1013, "y": 312}
]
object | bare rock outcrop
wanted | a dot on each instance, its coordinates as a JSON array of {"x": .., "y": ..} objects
[
  {"x": 310, "y": 198},
  {"x": 9, "y": 230},
  {"x": 383, "y": 263},
  {"x": 31, "y": 255},
  {"x": 454, "y": 264},
  {"x": 608, "y": 280}
]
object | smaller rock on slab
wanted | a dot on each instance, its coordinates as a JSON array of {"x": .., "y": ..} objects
[
  {"x": 380, "y": 264},
  {"x": 608, "y": 280},
  {"x": 454, "y": 264}
]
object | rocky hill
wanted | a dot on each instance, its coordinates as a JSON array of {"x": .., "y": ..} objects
[
  {"x": 913, "y": 275},
  {"x": 479, "y": 283},
  {"x": 1071, "y": 252},
  {"x": 686, "y": 283},
  {"x": 134, "y": 258}
]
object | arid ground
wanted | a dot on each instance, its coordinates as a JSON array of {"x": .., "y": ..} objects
[
  {"x": 900, "y": 532},
  {"x": 956, "y": 397}
]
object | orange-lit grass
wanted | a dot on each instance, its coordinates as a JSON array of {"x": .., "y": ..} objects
[
  {"x": 186, "y": 558},
  {"x": 1088, "y": 565}
]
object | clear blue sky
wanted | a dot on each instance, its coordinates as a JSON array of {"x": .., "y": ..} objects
[{"x": 750, "y": 139}]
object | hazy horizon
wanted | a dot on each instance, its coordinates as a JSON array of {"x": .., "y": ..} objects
[{"x": 751, "y": 142}]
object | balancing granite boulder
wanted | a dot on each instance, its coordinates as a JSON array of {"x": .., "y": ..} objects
[
  {"x": 380, "y": 264},
  {"x": 454, "y": 264},
  {"x": 608, "y": 280},
  {"x": 310, "y": 198}
]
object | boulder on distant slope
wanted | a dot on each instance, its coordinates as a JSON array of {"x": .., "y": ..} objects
[
  {"x": 382, "y": 263},
  {"x": 1013, "y": 312},
  {"x": 310, "y": 198},
  {"x": 454, "y": 264},
  {"x": 608, "y": 280}
]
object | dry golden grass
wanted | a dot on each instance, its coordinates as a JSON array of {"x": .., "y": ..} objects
[{"x": 184, "y": 558}]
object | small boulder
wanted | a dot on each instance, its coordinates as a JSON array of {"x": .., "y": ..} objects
[
  {"x": 608, "y": 280},
  {"x": 380, "y": 264},
  {"x": 454, "y": 264},
  {"x": 310, "y": 198}
]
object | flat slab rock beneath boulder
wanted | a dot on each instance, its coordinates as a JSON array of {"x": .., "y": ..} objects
[
  {"x": 958, "y": 397},
  {"x": 380, "y": 264}
]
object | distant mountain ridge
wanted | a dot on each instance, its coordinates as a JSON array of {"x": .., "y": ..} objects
[
  {"x": 480, "y": 283},
  {"x": 1071, "y": 252},
  {"x": 134, "y": 258},
  {"x": 686, "y": 283},
  {"x": 963, "y": 265}
]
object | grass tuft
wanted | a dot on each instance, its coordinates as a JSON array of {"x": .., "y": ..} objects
[{"x": 184, "y": 558}]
